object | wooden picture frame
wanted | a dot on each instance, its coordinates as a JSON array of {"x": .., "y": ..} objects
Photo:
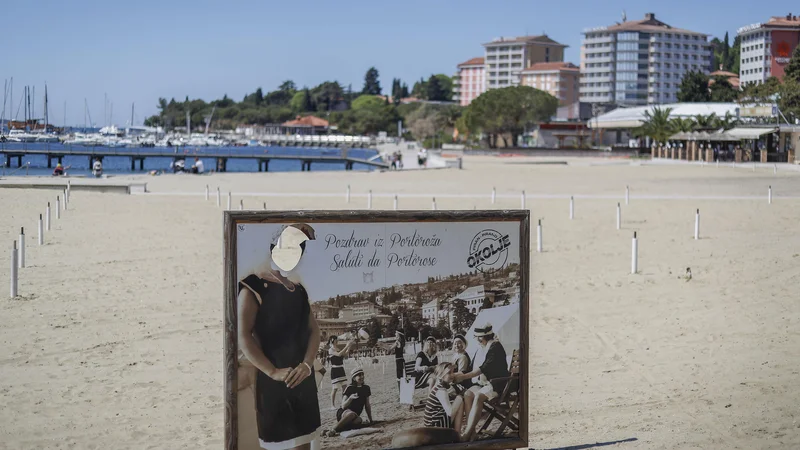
[{"x": 232, "y": 219}]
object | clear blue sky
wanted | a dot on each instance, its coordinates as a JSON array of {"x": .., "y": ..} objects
[{"x": 138, "y": 51}]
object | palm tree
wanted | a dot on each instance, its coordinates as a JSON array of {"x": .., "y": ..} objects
[
  {"x": 709, "y": 122},
  {"x": 657, "y": 125},
  {"x": 682, "y": 125},
  {"x": 728, "y": 122}
]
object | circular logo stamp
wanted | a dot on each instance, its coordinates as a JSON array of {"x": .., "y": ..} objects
[{"x": 488, "y": 251}]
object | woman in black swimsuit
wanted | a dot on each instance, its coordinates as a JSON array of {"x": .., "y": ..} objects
[{"x": 279, "y": 336}]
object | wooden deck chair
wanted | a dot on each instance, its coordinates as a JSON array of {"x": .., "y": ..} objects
[{"x": 505, "y": 407}]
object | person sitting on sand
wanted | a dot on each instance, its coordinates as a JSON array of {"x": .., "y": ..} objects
[
  {"x": 439, "y": 411},
  {"x": 354, "y": 400},
  {"x": 493, "y": 375},
  {"x": 59, "y": 170}
]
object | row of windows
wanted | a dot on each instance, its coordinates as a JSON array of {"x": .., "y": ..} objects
[
  {"x": 504, "y": 65},
  {"x": 753, "y": 47},
  {"x": 629, "y": 56},
  {"x": 629, "y": 36},
  {"x": 503, "y": 49},
  {"x": 631, "y": 66},
  {"x": 630, "y": 46},
  {"x": 754, "y": 36},
  {"x": 755, "y": 59}
]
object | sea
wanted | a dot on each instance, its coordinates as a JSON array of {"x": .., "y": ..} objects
[{"x": 117, "y": 160}]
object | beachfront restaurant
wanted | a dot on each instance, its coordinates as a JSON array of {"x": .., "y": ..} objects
[{"x": 756, "y": 137}]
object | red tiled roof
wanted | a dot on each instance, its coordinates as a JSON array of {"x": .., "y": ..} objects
[
  {"x": 651, "y": 24},
  {"x": 788, "y": 20},
  {"x": 472, "y": 62},
  {"x": 543, "y": 39},
  {"x": 723, "y": 73},
  {"x": 550, "y": 66},
  {"x": 307, "y": 121}
]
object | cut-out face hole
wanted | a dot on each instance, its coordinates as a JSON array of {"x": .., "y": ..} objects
[{"x": 288, "y": 249}]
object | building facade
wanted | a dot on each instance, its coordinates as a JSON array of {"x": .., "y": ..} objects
[
  {"x": 505, "y": 58},
  {"x": 766, "y": 48},
  {"x": 470, "y": 81},
  {"x": 639, "y": 62},
  {"x": 559, "y": 79}
]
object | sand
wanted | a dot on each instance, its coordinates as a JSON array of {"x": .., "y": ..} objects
[{"x": 116, "y": 341}]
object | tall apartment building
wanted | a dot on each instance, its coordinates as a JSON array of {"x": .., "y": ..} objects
[
  {"x": 559, "y": 79},
  {"x": 639, "y": 62},
  {"x": 767, "y": 48},
  {"x": 506, "y": 57},
  {"x": 470, "y": 81}
]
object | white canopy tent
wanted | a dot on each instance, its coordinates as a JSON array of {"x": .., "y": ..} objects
[{"x": 505, "y": 322}]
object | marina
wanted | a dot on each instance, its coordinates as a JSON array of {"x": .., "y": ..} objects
[{"x": 17, "y": 155}]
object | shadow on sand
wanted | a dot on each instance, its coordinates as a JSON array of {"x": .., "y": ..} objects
[{"x": 587, "y": 446}]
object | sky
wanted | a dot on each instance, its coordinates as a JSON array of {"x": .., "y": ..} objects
[{"x": 136, "y": 52}]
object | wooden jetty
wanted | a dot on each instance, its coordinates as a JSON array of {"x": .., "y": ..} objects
[{"x": 306, "y": 156}]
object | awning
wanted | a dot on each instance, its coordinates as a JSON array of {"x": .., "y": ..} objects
[{"x": 749, "y": 133}]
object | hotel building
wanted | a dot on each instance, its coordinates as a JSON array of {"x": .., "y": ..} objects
[
  {"x": 559, "y": 79},
  {"x": 470, "y": 82},
  {"x": 639, "y": 62},
  {"x": 505, "y": 58},
  {"x": 766, "y": 48}
]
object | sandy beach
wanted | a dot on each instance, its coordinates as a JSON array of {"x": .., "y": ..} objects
[{"x": 116, "y": 338}]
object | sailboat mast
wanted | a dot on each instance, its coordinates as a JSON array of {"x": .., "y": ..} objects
[
  {"x": 65, "y": 117},
  {"x": 3, "y": 116},
  {"x": 45, "y": 108},
  {"x": 32, "y": 101},
  {"x": 132, "y": 105}
]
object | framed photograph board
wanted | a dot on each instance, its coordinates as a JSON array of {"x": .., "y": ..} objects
[{"x": 376, "y": 329}]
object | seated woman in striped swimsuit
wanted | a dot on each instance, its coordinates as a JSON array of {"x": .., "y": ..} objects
[{"x": 439, "y": 411}]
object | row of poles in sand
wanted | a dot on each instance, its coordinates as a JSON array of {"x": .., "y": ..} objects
[
  {"x": 18, "y": 248},
  {"x": 539, "y": 240}
]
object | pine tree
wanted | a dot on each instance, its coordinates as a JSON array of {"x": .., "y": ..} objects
[
  {"x": 371, "y": 84},
  {"x": 726, "y": 49}
]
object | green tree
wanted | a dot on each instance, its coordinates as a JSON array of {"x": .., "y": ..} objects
[
  {"x": 372, "y": 85},
  {"x": 789, "y": 99},
  {"x": 287, "y": 86},
  {"x": 509, "y": 111},
  {"x": 792, "y": 70},
  {"x": 657, "y": 125},
  {"x": 722, "y": 90},
  {"x": 434, "y": 90},
  {"x": 694, "y": 88},
  {"x": 682, "y": 125}
]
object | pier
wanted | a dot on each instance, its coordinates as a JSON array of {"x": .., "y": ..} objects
[{"x": 221, "y": 155}]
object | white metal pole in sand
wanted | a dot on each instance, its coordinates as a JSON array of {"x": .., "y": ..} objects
[
  {"x": 47, "y": 217},
  {"x": 265, "y": 206},
  {"x": 494, "y": 195},
  {"x": 58, "y": 207},
  {"x": 717, "y": 164},
  {"x": 433, "y": 204},
  {"x": 571, "y": 208},
  {"x": 241, "y": 205},
  {"x": 395, "y": 202},
  {"x": 348, "y": 194},
  {"x": 774, "y": 169},
  {"x": 754, "y": 166},
  {"x": 539, "y": 236},
  {"x": 66, "y": 199},
  {"x": 697, "y": 225},
  {"x": 219, "y": 201},
  {"x": 229, "y": 200},
  {"x": 41, "y": 231},
  {"x": 369, "y": 199},
  {"x": 21, "y": 258},
  {"x": 206, "y": 192},
  {"x": 634, "y": 255},
  {"x": 619, "y": 216},
  {"x": 627, "y": 195},
  {"x": 522, "y": 200},
  {"x": 14, "y": 270},
  {"x": 769, "y": 195}
]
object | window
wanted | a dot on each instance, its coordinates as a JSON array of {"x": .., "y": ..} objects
[{"x": 628, "y": 36}]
